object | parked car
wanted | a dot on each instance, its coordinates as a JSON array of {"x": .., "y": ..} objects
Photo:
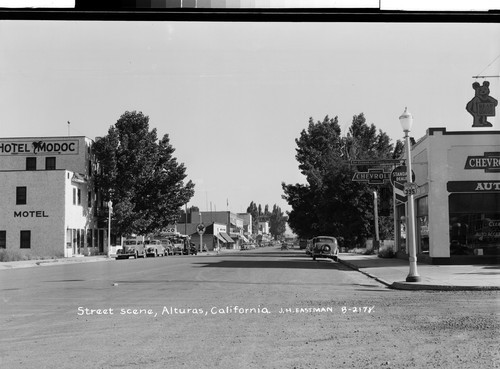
[
  {"x": 191, "y": 251},
  {"x": 154, "y": 248},
  {"x": 325, "y": 247},
  {"x": 168, "y": 246},
  {"x": 178, "y": 244},
  {"x": 132, "y": 247},
  {"x": 178, "y": 249}
]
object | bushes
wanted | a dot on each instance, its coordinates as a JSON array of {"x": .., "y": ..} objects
[
  {"x": 11, "y": 255},
  {"x": 386, "y": 252}
]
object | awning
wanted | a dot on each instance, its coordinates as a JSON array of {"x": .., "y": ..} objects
[
  {"x": 222, "y": 239},
  {"x": 226, "y": 237},
  {"x": 244, "y": 238}
]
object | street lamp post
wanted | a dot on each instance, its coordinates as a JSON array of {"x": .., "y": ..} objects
[
  {"x": 110, "y": 207},
  {"x": 406, "y": 121},
  {"x": 376, "y": 244}
]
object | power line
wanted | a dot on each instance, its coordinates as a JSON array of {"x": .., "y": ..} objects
[{"x": 479, "y": 74}]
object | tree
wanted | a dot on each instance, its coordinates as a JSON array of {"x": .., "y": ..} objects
[
  {"x": 277, "y": 222},
  {"x": 331, "y": 203},
  {"x": 140, "y": 175},
  {"x": 253, "y": 210}
]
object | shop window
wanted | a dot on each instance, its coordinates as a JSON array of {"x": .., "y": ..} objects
[
  {"x": 50, "y": 163},
  {"x": 401, "y": 231},
  {"x": 25, "y": 239},
  {"x": 30, "y": 163},
  {"x": 21, "y": 195},
  {"x": 3, "y": 239},
  {"x": 474, "y": 224},
  {"x": 89, "y": 238},
  {"x": 423, "y": 224}
]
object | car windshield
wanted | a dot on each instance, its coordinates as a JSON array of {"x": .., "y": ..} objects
[
  {"x": 324, "y": 240},
  {"x": 130, "y": 242}
]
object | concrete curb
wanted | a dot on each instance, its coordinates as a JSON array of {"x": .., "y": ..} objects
[
  {"x": 352, "y": 266},
  {"x": 411, "y": 286}
]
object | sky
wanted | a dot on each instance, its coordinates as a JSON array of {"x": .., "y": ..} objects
[{"x": 233, "y": 97}]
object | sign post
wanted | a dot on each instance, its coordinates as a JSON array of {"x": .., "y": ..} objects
[
  {"x": 200, "y": 228},
  {"x": 398, "y": 179}
]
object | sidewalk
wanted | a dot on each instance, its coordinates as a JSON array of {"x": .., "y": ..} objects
[
  {"x": 74, "y": 259},
  {"x": 50, "y": 262},
  {"x": 393, "y": 272}
]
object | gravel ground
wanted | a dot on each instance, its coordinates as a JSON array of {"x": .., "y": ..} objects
[{"x": 388, "y": 329}]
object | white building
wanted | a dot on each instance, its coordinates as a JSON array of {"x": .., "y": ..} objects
[
  {"x": 47, "y": 204},
  {"x": 458, "y": 201}
]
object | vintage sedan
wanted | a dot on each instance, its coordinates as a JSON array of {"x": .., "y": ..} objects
[
  {"x": 154, "y": 248},
  {"x": 132, "y": 247},
  {"x": 168, "y": 246},
  {"x": 325, "y": 247}
]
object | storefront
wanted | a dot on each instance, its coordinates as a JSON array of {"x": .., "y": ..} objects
[{"x": 458, "y": 199}]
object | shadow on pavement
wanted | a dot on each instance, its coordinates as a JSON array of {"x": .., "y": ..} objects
[{"x": 287, "y": 264}]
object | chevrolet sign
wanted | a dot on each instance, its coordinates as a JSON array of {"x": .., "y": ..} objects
[{"x": 490, "y": 162}]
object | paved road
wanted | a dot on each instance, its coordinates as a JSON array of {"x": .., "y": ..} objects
[{"x": 263, "y": 308}]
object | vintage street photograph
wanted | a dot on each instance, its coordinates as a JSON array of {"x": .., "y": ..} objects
[{"x": 219, "y": 185}]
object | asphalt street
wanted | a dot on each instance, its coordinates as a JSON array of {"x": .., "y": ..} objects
[{"x": 261, "y": 308}]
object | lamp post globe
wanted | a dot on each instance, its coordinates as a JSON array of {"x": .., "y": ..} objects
[{"x": 406, "y": 121}]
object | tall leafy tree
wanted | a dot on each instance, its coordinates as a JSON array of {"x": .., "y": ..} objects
[
  {"x": 140, "y": 175},
  {"x": 254, "y": 211},
  {"x": 277, "y": 222},
  {"x": 331, "y": 203}
]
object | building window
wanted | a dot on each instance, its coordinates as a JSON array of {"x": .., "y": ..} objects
[
  {"x": 89, "y": 199},
  {"x": 25, "y": 239},
  {"x": 79, "y": 195},
  {"x": 50, "y": 163},
  {"x": 74, "y": 196},
  {"x": 21, "y": 195},
  {"x": 30, "y": 163},
  {"x": 474, "y": 223},
  {"x": 423, "y": 224},
  {"x": 3, "y": 239}
]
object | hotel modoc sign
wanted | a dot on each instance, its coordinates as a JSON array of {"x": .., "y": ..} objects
[
  {"x": 40, "y": 147},
  {"x": 490, "y": 162}
]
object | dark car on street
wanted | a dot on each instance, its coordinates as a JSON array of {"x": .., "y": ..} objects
[
  {"x": 191, "y": 251},
  {"x": 325, "y": 247}
]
